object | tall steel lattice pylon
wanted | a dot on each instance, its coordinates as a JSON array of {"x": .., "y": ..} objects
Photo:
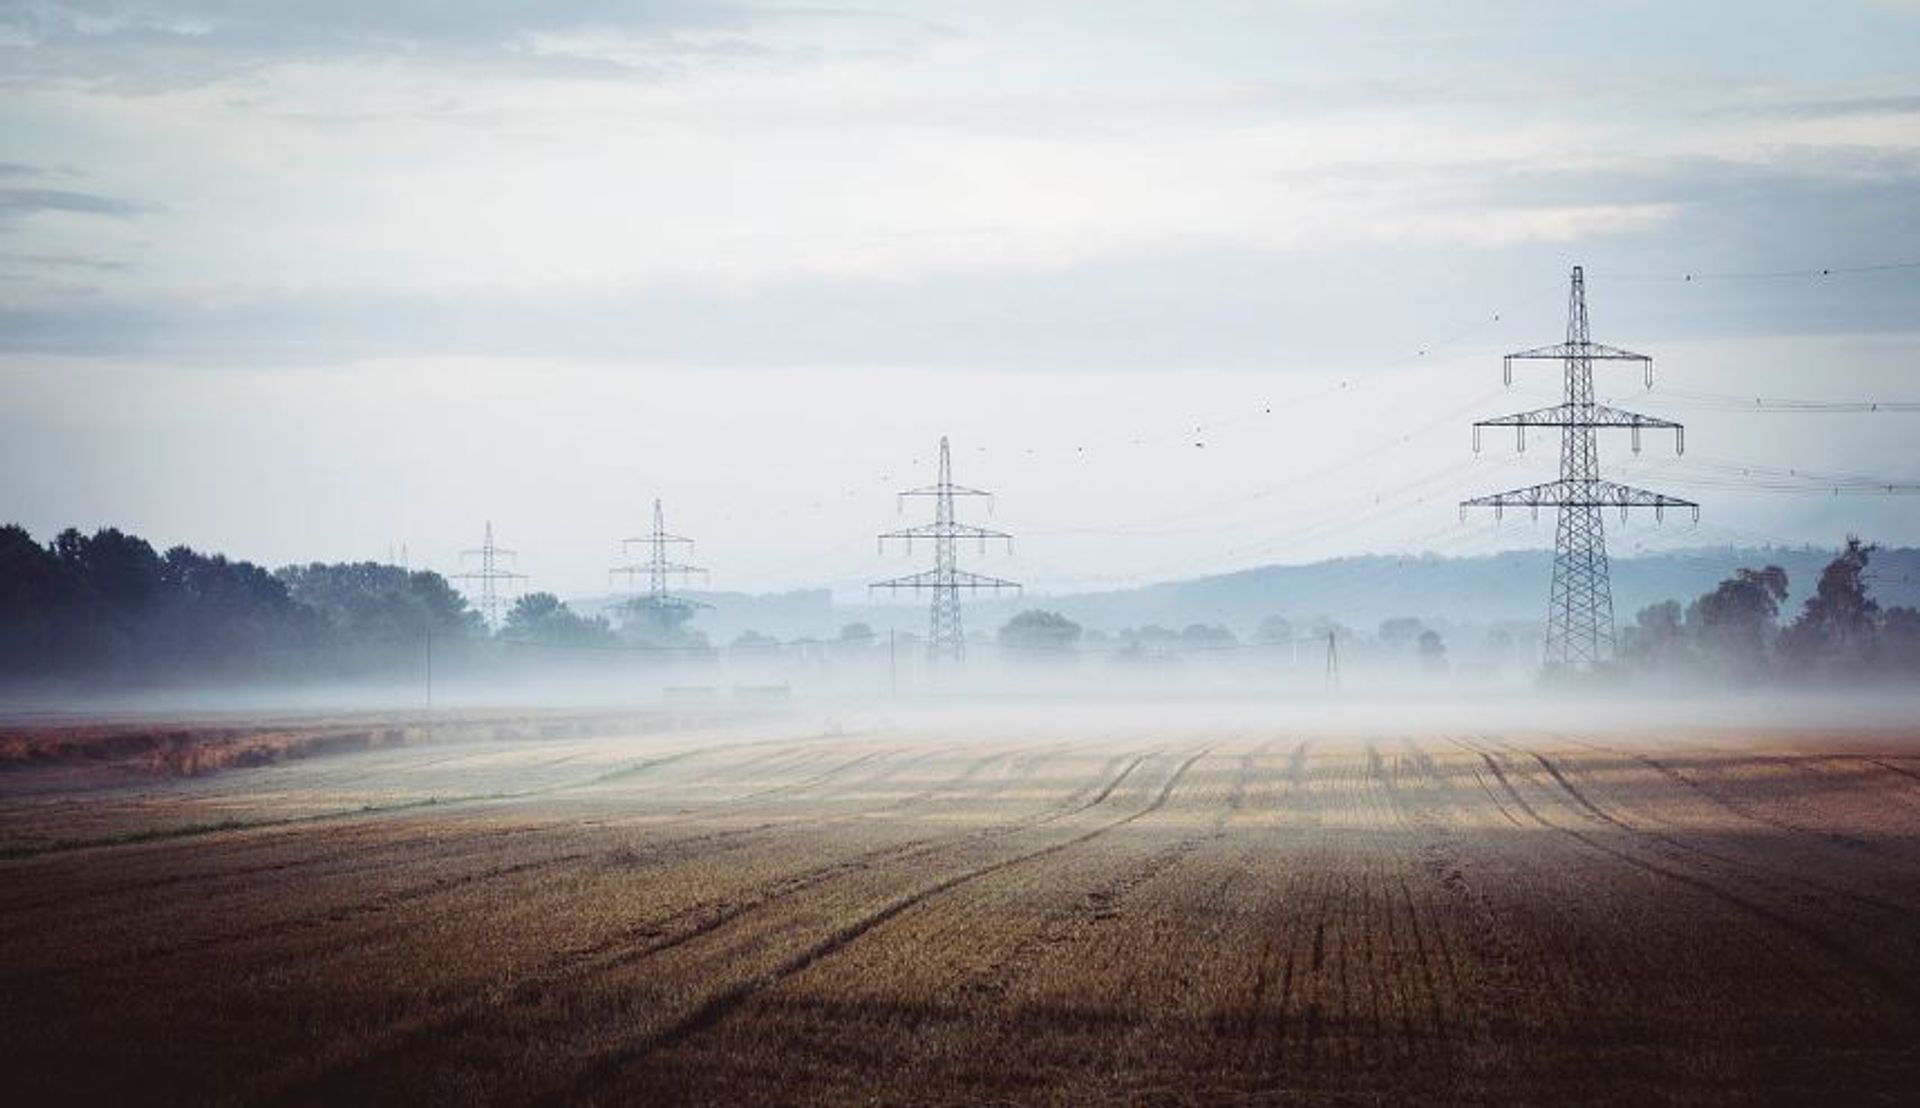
[
  {"x": 490, "y": 574},
  {"x": 1580, "y": 612},
  {"x": 946, "y": 637},
  {"x": 659, "y": 569}
]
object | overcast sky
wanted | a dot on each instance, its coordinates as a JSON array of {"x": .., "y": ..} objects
[{"x": 1193, "y": 286}]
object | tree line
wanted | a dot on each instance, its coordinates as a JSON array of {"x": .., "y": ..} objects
[
  {"x": 108, "y": 609},
  {"x": 1735, "y": 634}
]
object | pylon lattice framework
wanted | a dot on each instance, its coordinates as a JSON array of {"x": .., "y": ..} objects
[
  {"x": 1580, "y": 632},
  {"x": 659, "y": 568},
  {"x": 489, "y": 575},
  {"x": 946, "y": 637}
]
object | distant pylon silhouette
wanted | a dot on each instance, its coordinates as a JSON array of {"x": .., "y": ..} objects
[
  {"x": 660, "y": 603},
  {"x": 489, "y": 575},
  {"x": 946, "y": 637},
  {"x": 1580, "y": 632}
]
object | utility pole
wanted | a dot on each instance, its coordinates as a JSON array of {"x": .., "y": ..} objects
[
  {"x": 1333, "y": 661},
  {"x": 664, "y": 610},
  {"x": 1580, "y": 634},
  {"x": 492, "y": 571},
  {"x": 946, "y": 638}
]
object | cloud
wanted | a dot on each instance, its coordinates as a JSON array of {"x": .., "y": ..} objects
[
  {"x": 64, "y": 261},
  {"x": 18, "y": 203},
  {"x": 143, "y": 46},
  {"x": 1837, "y": 108}
]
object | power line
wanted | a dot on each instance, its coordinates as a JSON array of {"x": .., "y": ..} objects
[
  {"x": 1735, "y": 402},
  {"x": 1813, "y": 272}
]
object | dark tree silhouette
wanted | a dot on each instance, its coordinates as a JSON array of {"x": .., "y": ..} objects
[
  {"x": 1658, "y": 640},
  {"x": 1734, "y": 625},
  {"x": 539, "y": 618},
  {"x": 1040, "y": 633},
  {"x": 1206, "y": 636},
  {"x": 1835, "y": 635},
  {"x": 1900, "y": 642}
]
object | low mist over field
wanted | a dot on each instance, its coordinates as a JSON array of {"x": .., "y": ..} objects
[{"x": 1019, "y": 554}]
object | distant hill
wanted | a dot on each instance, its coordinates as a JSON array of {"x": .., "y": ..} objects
[
  {"x": 1511, "y": 586},
  {"x": 1359, "y": 592}
]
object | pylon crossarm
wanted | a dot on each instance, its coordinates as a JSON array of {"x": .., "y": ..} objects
[
  {"x": 949, "y": 579},
  {"x": 675, "y": 568},
  {"x": 1572, "y": 415},
  {"x": 1593, "y": 351},
  {"x": 485, "y": 574},
  {"x": 943, "y": 490},
  {"x": 964, "y": 580},
  {"x": 938, "y": 530},
  {"x": 1575, "y": 351},
  {"x": 1580, "y": 494}
]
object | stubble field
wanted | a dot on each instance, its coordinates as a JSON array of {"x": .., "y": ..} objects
[{"x": 1241, "y": 914}]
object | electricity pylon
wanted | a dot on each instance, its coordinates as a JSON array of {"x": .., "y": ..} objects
[
  {"x": 946, "y": 639},
  {"x": 664, "y": 609},
  {"x": 489, "y": 575},
  {"x": 1580, "y": 611}
]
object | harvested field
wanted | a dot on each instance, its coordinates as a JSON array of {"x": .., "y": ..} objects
[{"x": 769, "y": 915}]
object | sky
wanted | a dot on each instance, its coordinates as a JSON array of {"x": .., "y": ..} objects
[{"x": 1191, "y": 287}]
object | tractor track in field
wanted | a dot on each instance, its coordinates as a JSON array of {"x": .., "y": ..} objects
[
  {"x": 1889, "y": 766},
  {"x": 1436, "y": 855},
  {"x": 1749, "y": 812},
  {"x": 654, "y": 937},
  {"x": 716, "y": 1008},
  {"x": 1889, "y": 983},
  {"x": 1106, "y": 901},
  {"x": 1676, "y": 849},
  {"x": 430, "y": 802},
  {"x": 321, "y": 919},
  {"x": 1124, "y": 915}
]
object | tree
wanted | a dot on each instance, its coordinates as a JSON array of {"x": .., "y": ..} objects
[
  {"x": 1043, "y": 634},
  {"x": 218, "y": 616},
  {"x": 105, "y": 608},
  {"x": 1433, "y": 653},
  {"x": 655, "y": 622},
  {"x": 1207, "y": 636},
  {"x": 1734, "y": 625},
  {"x": 368, "y": 601},
  {"x": 540, "y": 618},
  {"x": 41, "y": 599},
  {"x": 1900, "y": 642},
  {"x": 1400, "y": 632},
  {"x": 1657, "y": 641},
  {"x": 121, "y": 569},
  {"x": 1273, "y": 631},
  {"x": 1151, "y": 645},
  {"x": 1837, "y": 629}
]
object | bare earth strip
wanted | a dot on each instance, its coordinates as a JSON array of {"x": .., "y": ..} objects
[{"x": 784, "y": 915}]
